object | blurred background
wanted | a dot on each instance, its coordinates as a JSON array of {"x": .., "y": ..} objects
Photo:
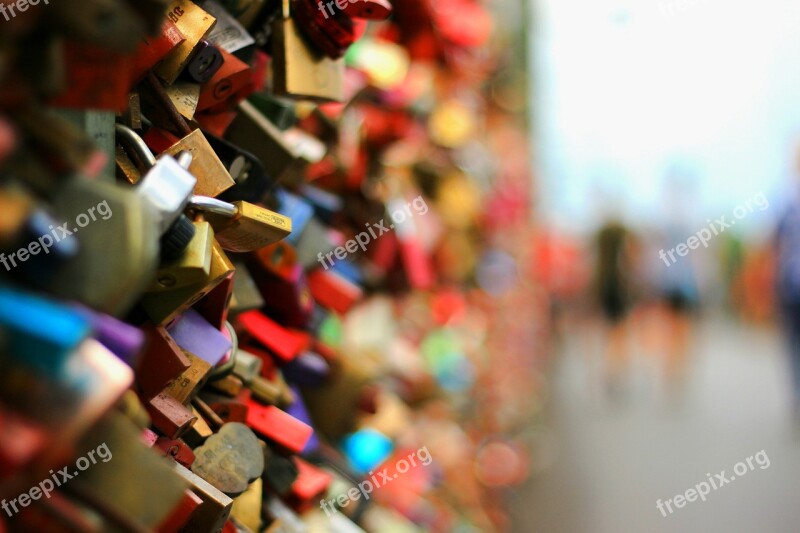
[{"x": 657, "y": 126}]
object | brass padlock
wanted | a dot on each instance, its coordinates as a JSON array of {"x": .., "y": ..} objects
[
  {"x": 164, "y": 307},
  {"x": 242, "y": 226},
  {"x": 118, "y": 250},
  {"x": 212, "y": 176},
  {"x": 195, "y": 24},
  {"x": 192, "y": 267},
  {"x": 299, "y": 71},
  {"x": 143, "y": 505}
]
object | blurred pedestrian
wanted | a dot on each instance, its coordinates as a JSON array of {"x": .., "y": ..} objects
[
  {"x": 787, "y": 281},
  {"x": 614, "y": 270}
]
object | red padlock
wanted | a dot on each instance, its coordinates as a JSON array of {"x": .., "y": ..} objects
[
  {"x": 284, "y": 343},
  {"x": 278, "y": 426}
]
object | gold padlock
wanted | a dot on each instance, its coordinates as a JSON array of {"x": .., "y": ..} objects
[
  {"x": 192, "y": 267},
  {"x": 299, "y": 71},
  {"x": 212, "y": 176},
  {"x": 164, "y": 307},
  {"x": 195, "y": 24},
  {"x": 242, "y": 226},
  {"x": 247, "y": 506}
]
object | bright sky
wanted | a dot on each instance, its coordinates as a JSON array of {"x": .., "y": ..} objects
[{"x": 627, "y": 87}]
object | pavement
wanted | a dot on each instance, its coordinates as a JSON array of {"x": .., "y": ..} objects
[{"x": 604, "y": 460}]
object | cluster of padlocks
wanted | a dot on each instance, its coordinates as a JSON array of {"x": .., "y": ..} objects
[{"x": 264, "y": 256}]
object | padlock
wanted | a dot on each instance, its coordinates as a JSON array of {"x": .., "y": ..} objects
[
  {"x": 270, "y": 392},
  {"x": 212, "y": 514},
  {"x": 212, "y": 177},
  {"x": 248, "y": 366},
  {"x": 122, "y": 339},
  {"x": 180, "y": 515},
  {"x": 143, "y": 504},
  {"x": 199, "y": 431},
  {"x": 282, "y": 153},
  {"x": 310, "y": 486},
  {"x": 169, "y": 416},
  {"x": 118, "y": 252},
  {"x": 185, "y": 96},
  {"x": 245, "y": 295},
  {"x": 242, "y": 226},
  {"x": 281, "y": 281},
  {"x": 215, "y": 305},
  {"x": 308, "y": 369},
  {"x": 252, "y": 180},
  {"x": 177, "y": 450},
  {"x": 295, "y": 207},
  {"x": 161, "y": 363},
  {"x": 279, "y": 111},
  {"x": 191, "y": 267},
  {"x": 185, "y": 387},
  {"x": 228, "y": 363},
  {"x": 333, "y": 291},
  {"x": 280, "y": 473},
  {"x": 153, "y": 49},
  {"x": 231, "y": 84},
  {"x": 229, "y": 385},
  {"x": 247, "y": 507},
  {"x": 164, "y": 307},
  {"x": 38, "y": 332},
  {"x": 167, "y": 185},
  {"x": 230, "y": 459},
  {"x": 205, "y": 62},
  {"x": 331, "y": 34},
  {"x": 132, "y": 116},
  {"x": 195, "y": 24},
  {"x": 299, "y": 71},
  {"x": 194, "y": 334},
  {"x": 278, "y": 427},
  {"x": 284, "y": 343},
  {"x": 369, "y": 9},
  {"x": 228, "y": 33}
]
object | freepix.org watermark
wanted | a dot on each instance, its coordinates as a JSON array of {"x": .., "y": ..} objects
[
  {"x": 703, "y": 489},
  {"x": 17, "y": 7},
  {"x": 46, "y": 241},
  {"x": 715, "y": 227},
  {"x": 400, "y": 213},
  {"x": 341, "y": 4},
  {"x": 376, "y": 481},
  {"x": 46, "y": 486}
]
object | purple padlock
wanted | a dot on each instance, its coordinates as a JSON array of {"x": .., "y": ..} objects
[
  {"x": 122, "y": 339},
  {"x": 308, "y": 369},
  {"x": 197, "y": 336}
]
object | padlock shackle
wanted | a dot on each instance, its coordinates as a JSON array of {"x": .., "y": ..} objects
[
  {"x": 207, "y": 204},
  {"x": 131, "y": 140}
]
